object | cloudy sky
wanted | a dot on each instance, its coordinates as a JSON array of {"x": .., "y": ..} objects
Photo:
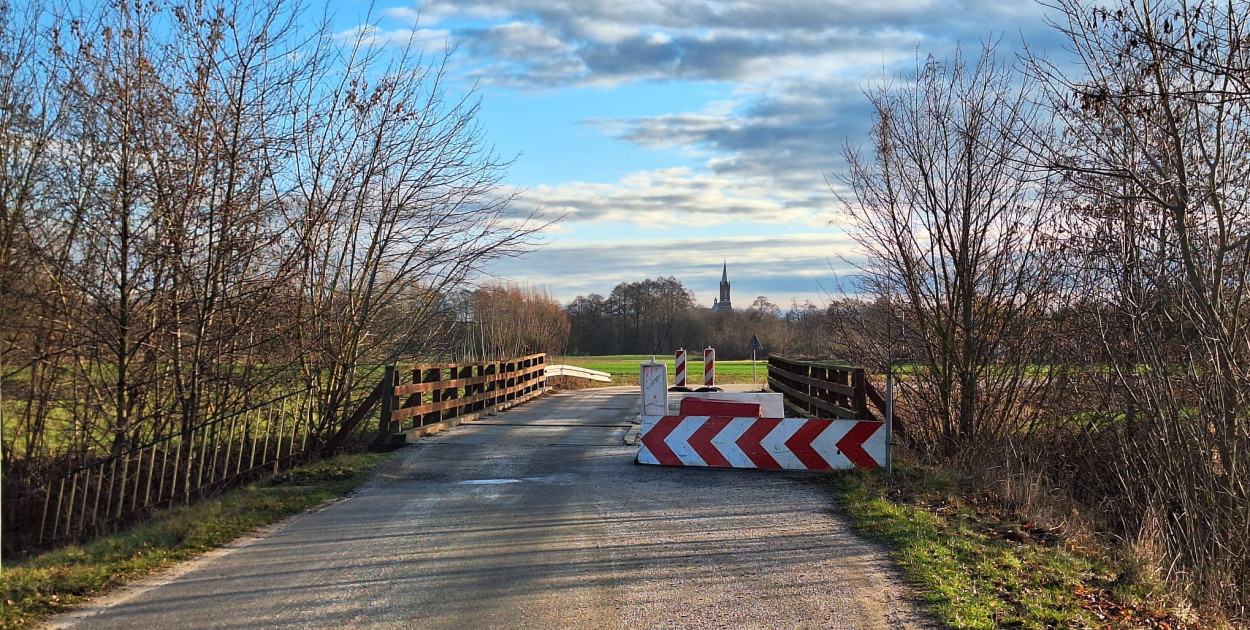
[{"x": 673, "y": 135}]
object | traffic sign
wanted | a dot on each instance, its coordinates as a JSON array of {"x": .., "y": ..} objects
[{"x": 755, "y": 344}]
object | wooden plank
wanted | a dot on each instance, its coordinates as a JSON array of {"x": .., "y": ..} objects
[
  {"x": 840, "y": 412},
  {"x": 408, "y": 435},
  {"x": 842, "y": 390},
  {"x": 797, "y": 410},
  {"x": 429, "y": 386},
  {"x": 449, "y": 366},
  {"x": 418, "y": 388},
  {"x": 431, "y": 407}
]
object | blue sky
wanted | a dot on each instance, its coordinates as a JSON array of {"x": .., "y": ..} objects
[{"x": 675, "y": 135}]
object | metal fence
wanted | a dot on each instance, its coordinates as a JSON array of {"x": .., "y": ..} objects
[{"x": 220, "y": 453}]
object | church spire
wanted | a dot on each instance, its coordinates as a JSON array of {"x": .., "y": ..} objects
[{"x": 723, "y": 304}]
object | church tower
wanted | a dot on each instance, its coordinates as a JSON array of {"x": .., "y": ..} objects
[{"x": 723, "y": 304}]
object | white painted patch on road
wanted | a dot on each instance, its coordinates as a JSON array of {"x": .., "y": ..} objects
[{"x": 560, "y": 480}]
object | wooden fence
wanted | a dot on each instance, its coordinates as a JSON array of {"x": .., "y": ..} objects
[
  {"x": 178, "y": 469},
  {"x": 830, "y": 390},
  {"x": 823, "y": 389},
  {"x": 422, "y": 399}
]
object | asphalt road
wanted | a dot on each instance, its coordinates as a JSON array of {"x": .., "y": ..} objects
[{"x": 538, "y": 518}]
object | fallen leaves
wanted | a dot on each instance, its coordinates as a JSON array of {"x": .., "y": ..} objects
[{"x": 1117, "y": 615}]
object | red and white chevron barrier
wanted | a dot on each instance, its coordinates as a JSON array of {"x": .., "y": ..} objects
[
  {"x": 680, "y": 361},
  {"x": 709, "y": 367},
  {"x": 772, "y": 443}
]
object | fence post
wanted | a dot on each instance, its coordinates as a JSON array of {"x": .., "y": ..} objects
[
  {"x": 859, "y": 379},
  {"x": 807, "y": 387},
  {"x": 542, "y": 375},
  {"x": 388, "y": 405},
  {"x": 429, "y": 375}
]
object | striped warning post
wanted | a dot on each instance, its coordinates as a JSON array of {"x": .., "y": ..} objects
[
  {"x": 681, "y": 368},
  {"x": 768, "y": 443},
  {"x": 709, "y": 367}
]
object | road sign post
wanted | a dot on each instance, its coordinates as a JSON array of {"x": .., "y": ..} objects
[
  {"x": 754, "y": 345},
  {"x": 889, "y": 420}
]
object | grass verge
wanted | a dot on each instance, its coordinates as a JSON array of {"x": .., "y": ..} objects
[
  {"x": 624, "y": 368},
  {"x": 980, "y": 567},
  {"x": 39, "y": 587}
]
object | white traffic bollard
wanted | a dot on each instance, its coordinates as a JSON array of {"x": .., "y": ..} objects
[
  {"x": 709, "y": 367},
  {"x": 654, "y": 380},
  {"x": 679, "y": 379}
]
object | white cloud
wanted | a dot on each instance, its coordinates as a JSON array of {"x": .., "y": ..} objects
[
  {"x": 673, "y": 198},
  {"x": 609, "y": 41},
  {"x": 402, "y": 14},
  {"x": 422, "y": 39}
]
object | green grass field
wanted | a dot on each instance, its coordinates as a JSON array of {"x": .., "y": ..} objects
[{"x": 624, "y": 368}]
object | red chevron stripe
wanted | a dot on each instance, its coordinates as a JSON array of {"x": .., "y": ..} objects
[
  {"x": 750, "y": 442},
  {"x": 654, "y": 440},
  {"x": 801, "y": 445},
  {"x": 701, "y": 441},
  {"x": 852, "y": 444}
]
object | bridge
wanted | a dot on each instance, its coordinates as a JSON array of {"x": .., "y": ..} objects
[{"x": 537, "y": 517}]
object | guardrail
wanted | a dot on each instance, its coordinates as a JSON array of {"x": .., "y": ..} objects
[
  {"x": 422, "y": 399},
  {"x": 578, "y": 372}
]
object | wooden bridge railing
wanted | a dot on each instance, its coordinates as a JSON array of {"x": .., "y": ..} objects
[
  {"x": 821, "y": 388},
  {"x": 830, "y": 390},
  {"x": 420, "y": 399}
]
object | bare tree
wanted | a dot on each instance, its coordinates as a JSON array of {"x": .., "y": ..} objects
[
  {"x": 120, "y": 117},
  {"x": 394, "y": 200},
  {"x": 591, "y": 330},
  {"x": 516, "y": 321},
  {"x": 29, "y": 116},
  {"x": 201, "y": 201},
  {"x": 954, "y": 226},
  {"x": 1157, "y": 142},
  {"x": 212, "y": 191}
]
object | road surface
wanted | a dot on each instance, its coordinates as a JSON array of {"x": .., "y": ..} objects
[{"x": 538, "y": 518}]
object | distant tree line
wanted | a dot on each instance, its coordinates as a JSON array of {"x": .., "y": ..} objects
[{"x": 659, "y": 316}]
